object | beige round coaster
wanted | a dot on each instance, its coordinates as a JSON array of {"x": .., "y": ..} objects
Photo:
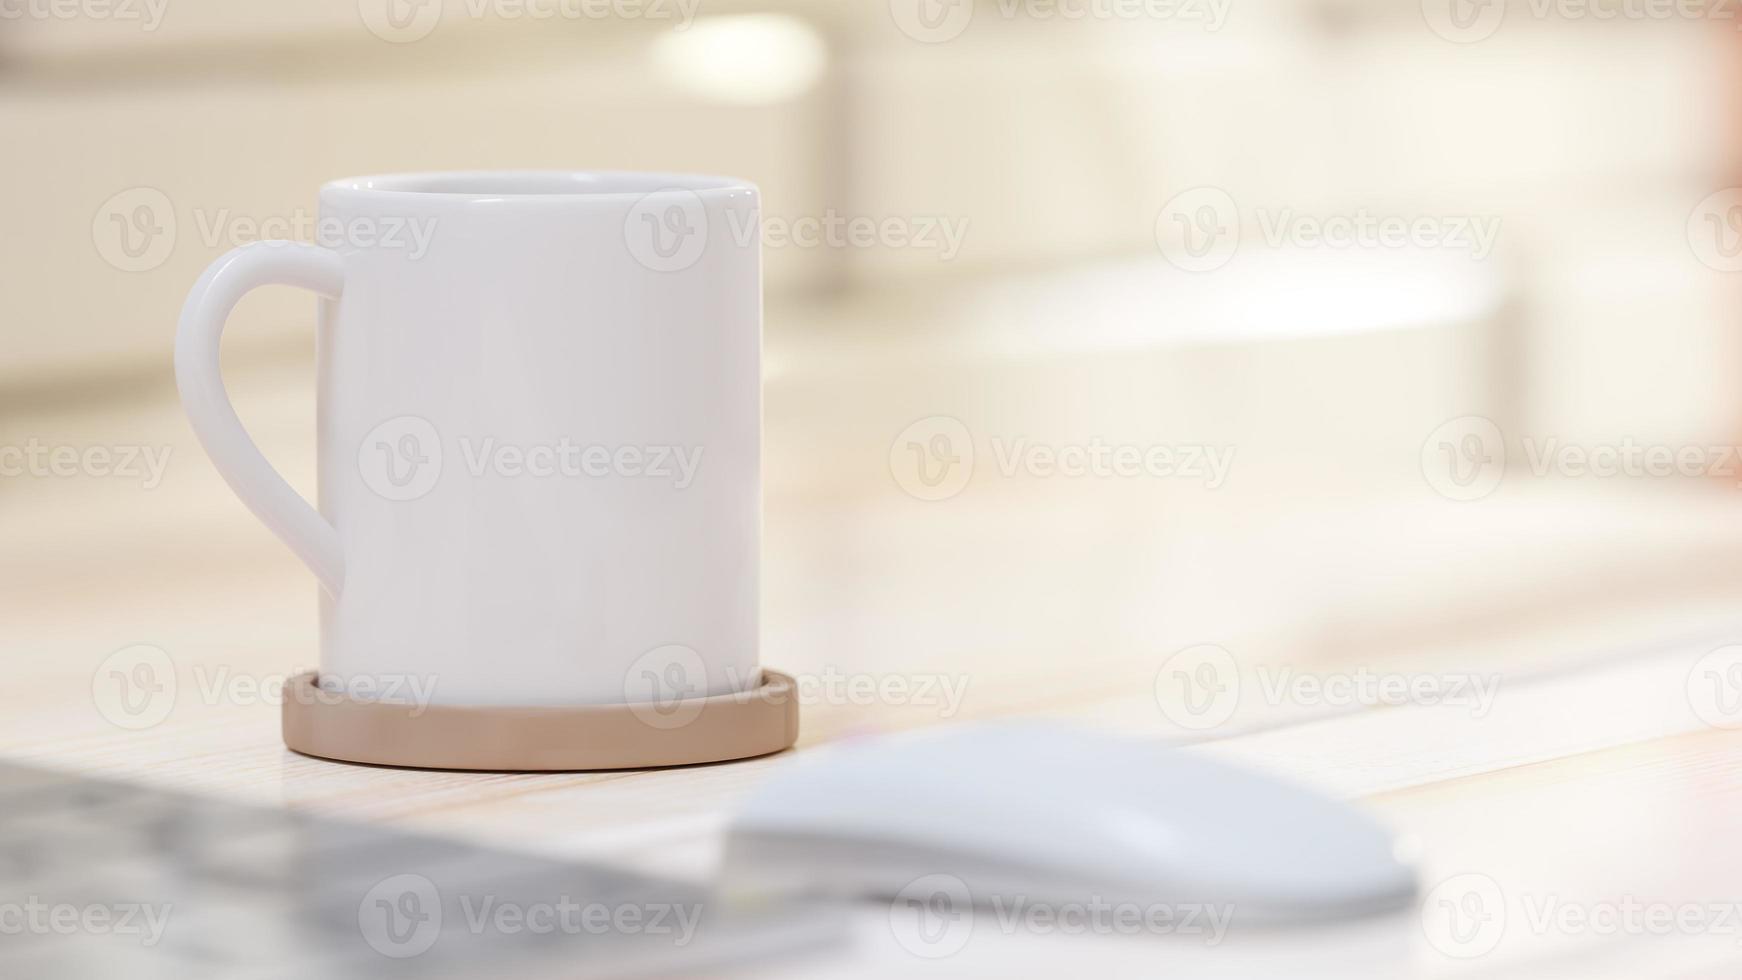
[{"x": 331, "y": 725}]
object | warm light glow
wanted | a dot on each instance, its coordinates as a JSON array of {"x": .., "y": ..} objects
[{"x": 747, "y": 59}]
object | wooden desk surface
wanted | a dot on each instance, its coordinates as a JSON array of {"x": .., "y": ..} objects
[{"x": 1593, "y": 782}]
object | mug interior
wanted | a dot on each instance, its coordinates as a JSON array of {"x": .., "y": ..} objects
[{"x": 535, "y": 183}]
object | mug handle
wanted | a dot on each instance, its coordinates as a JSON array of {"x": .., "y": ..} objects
[{"x": 198, "y": 377}]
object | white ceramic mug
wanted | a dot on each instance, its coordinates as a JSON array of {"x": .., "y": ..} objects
[{"x": 539, "y": 416}]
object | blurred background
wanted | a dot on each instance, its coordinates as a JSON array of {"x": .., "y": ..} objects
[{"x": 1412, "y": 271}]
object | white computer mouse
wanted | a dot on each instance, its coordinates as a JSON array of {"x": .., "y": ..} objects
[{"x": 1056, "y": 814}]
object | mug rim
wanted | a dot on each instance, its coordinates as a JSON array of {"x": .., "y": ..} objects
[{"x": 492, "y": 186}]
